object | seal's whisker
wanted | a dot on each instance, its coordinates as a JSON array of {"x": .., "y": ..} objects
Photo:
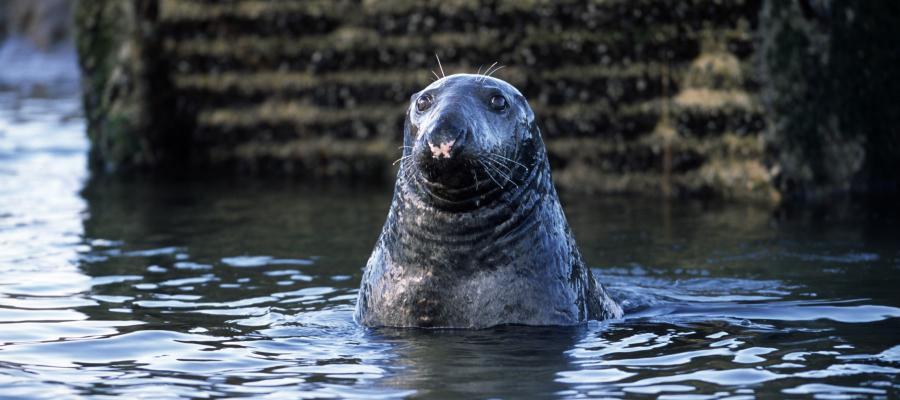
[
  {"x": 489, "y": 68},
  {"x": 406, "y": 173},
  {"x": 436, "y": 77},
  {"x": 500, "y": 172},
  {"x": 499, "y": 161},
  {"x": 509, "y": 171},
  {"x": 488, "y": 172},
  {"x": 439, "y": 65},
  {"x": 499, "y": 165},
  {"x": 505, "y": 175},
  {"x": 485, "y": 75},
  {"x": 402, "y": 158},
  {"x": 474, "y": 175},
  {"x": 501, "y": 157},
  {"x": 502, "y": 168},
  {"x": 489, "y": 73},
  {"x": 479, "y": 70}
]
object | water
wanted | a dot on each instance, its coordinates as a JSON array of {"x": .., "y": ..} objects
[{"x": 230, "y": 288}]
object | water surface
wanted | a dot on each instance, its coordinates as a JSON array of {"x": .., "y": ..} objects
[{"x": 230, "y": 287}]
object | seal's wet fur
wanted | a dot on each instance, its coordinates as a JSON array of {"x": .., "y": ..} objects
[{"x": 475, "y": 236}]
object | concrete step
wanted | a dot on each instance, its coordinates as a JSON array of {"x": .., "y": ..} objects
[
  {"x": 349, "y": 89},
  {"x": 366, "y": 50},
  {"x": 427, "y": 17}
]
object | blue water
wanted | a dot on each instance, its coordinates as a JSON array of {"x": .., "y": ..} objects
[{"x": 231, "y": 288}]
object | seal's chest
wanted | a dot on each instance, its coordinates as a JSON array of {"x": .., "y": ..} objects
[{"x": 456, "y": 300}]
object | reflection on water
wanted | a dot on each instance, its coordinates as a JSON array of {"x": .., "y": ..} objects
[{"x": 224, "y": 288}]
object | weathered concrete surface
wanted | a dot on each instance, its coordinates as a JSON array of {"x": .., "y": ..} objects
[{"x": 646, "y": 96}]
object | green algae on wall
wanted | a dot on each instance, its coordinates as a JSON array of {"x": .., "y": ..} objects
[{"x": 128, "y": 103}]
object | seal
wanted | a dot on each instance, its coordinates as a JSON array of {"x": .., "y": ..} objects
[{"x": 475, "y": 236}]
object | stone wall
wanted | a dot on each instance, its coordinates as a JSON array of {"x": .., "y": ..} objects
[
  {"x": 832, "y": 94},
  {"x": 645, "y": 96},
  {"x": 135, "y": 116}
]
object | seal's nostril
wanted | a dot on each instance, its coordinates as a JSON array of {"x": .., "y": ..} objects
[
  {"x": 446, "y": 138},
  {"x": 441, "y": 150}
]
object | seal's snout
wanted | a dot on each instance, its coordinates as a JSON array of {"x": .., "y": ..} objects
[
  {"x": 447, "y": 138},
  {"x": 442, "y": 153}
]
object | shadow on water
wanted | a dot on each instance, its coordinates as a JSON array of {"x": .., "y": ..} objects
[
  {"x": 228, "y": 288},
  {"x": 511, "y": 362}
]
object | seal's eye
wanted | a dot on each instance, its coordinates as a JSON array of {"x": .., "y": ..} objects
[
  {"x": 498, "y": 102},
  {"x": 424, "y": 102}
]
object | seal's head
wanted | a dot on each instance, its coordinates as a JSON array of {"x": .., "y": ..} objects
[
  {"x": 476, "y": 236},
  {"x": 468, "y": 132}
]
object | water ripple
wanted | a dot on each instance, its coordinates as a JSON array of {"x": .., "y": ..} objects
[{"x": 211, "y": 289}]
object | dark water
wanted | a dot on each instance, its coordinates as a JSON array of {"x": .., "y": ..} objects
[{"x": 233, "y": 288}]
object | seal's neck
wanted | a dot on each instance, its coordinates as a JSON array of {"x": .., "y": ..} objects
[{"x": 424, "y": 232}]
